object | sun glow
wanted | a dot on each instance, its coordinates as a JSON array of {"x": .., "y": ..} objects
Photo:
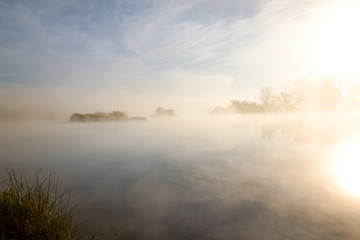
[
  {"x": 347, "y": 168},
  {"x": 336, "y": 38}
]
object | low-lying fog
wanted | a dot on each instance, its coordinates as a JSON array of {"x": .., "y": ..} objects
[{"x": 216, "y": 177}]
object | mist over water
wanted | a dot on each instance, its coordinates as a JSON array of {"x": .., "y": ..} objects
[
  {"x": 200, "y": 119},
  {"x": 218, "y": 177}
]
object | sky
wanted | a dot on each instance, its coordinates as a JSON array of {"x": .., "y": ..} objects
[{"x": 90, "y": 55}]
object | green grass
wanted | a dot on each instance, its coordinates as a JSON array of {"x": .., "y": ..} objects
[{"x": 36, "y": 210}]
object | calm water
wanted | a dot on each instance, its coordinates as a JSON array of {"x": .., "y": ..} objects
[{"x": 204, "y": 178}]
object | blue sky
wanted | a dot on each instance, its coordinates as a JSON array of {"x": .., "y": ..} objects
[{"x": 155, "y": 51}]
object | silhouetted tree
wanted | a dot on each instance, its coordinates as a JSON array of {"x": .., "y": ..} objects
[
  {"x": 77, "y": 117},
  {"x": 101, "y": 117}
]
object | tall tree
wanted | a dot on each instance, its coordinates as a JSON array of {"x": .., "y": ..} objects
[{"x": 269, "y": 99}]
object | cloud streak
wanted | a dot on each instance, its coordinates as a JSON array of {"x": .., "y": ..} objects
[{"x": 142, "y": 46}]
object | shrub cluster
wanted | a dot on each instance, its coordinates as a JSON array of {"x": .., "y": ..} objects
[{"x": 103, "y": 117}]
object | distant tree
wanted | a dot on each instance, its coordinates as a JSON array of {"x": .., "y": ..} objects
[
  {"x": 219, "y": 110},
  {"x": 269, "y": 99},
  {"x": 354, "y": 95},
  {"x": 329, "y": 94},
  {"x": 305, "y": 94},
  {"x": 101, "y": 117},
  {"x": 287, "y": 101},
  {"x": 239, "y": 106},
  {"x": 245, "y": 107},
  {"x": 77, "y": 117},
  {"x": 265, "y": 96},
  {"x": 117, "y": 115},
  {"x": 161, "y": 112}
]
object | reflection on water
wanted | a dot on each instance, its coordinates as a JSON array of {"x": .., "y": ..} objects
[
  {"x": 347, "y": 167},
  {"x": 267, "y": 178},
  {"x": 324, "y": 130}
]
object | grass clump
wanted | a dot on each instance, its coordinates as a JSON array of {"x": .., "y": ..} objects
[{"x": 34, "y": 211}]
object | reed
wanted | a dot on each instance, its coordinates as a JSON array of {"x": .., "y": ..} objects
[{"x": 37, "y": 210}]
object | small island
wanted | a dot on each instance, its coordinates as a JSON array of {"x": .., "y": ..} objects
[
  {"x": 162, "y": 112},
  {"x": 104, "y": 117}
]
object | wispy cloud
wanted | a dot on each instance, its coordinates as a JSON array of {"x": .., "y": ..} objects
[
  {"x": 141, "y": 46},
  {"x": 93, "y": 35}
]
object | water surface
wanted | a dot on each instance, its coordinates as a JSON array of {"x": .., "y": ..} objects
[{"x": 243, "y": 177}]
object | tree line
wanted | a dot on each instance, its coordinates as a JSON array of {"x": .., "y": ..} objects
[
  {"x": 325, "y": 94},
  {"x": 103, "y": 117}
]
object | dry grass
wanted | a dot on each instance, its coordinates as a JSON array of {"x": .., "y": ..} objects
[{"x": 34, "y": 211}]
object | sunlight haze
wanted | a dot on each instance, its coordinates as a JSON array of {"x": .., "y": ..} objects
[{"x": 180, "y": 119}]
